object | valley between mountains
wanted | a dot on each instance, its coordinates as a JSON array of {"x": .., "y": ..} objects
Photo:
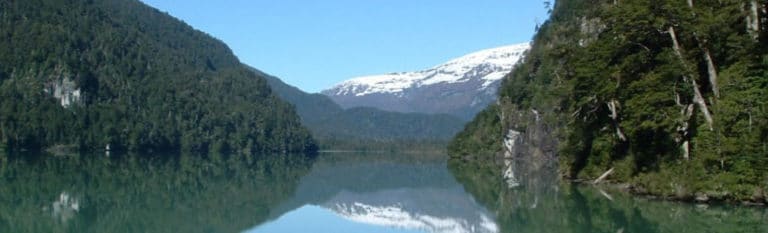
[
  {"x": 460, "y": 87},
  {"x": 425, "y": 107},
  {"x": 115, "y": 116}
]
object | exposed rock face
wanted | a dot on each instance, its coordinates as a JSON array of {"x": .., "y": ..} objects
[
  {"x": 529, "y": 154},
  {"x": 61, "y": 86},
  {"x": 66, "y": 91},
  {"x": 590, "y": 29},
  {"x": 510, "y": 140}
]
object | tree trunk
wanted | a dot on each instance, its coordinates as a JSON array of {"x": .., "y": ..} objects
[
  {"x": 602, "y": 177},
  {"x": 698, "y": 97},
  {"x": 686, "y": 150},
  {"x": 753, "y": 20},
  {"x": 607, "y": 196},
  {"x": 676, "y": 47},
  {"x": 613, "y": 107},
  {"x": 683, "y": 131},
  {"x": 763, "y": 23},
  {"x": 712, "y": 71}
]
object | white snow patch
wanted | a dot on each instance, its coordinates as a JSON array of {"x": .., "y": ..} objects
[
  {"x": 394, "y": 216},
  {"x": 488, "y": 65}
]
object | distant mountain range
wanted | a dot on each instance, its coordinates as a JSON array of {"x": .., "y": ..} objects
[
  {"x": 331, "y": 124},
  {"x": 460, "y": 87}
]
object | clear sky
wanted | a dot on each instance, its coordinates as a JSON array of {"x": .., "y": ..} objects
[
  {"x": 317, "y": 219},
  {"x": 313, "y": 44}
]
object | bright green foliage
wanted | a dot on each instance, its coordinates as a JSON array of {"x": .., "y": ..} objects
[
  {"x": 147, "y": 82},
  {"x": 592, "y": 55}
]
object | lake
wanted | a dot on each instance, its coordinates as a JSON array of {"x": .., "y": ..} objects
[{"x": 333, "y": 192}]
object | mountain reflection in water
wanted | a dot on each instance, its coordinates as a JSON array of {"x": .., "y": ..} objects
[
  {"x": 381, "y": 193},
  {"x": 338, "y": 192}
]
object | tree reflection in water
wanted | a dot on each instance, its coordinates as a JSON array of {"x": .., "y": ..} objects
[
  {"x": 134, "y": 193},
  {"x": 544, "y": 204}
]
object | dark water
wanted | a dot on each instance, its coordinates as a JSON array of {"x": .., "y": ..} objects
[{"x": 342, "y": 192}]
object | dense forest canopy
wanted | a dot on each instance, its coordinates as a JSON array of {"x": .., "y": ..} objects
[
  {"x": 95, "y": 73},
  {"x": 673, "y": 95}
]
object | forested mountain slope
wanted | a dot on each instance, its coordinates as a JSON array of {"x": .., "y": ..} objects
[
  {"x": 333, "y": 126},
  {"x": 119, "y": 73},
  {"x": 671, "y": 95}
]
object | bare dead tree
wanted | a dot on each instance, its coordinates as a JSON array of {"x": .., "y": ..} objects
[{"x": 698, "y": 97}]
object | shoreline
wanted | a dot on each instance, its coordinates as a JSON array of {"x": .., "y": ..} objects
[{"x": 689, "y": 198}]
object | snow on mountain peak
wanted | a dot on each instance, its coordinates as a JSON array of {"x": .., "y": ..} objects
[
  {"x": 395, "y": 216},
  {"x": 488, "y": 65}
]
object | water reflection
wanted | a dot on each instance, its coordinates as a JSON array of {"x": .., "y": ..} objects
[
  {"x": 332, "y": 193},
  {"x": 185, "y": 193},
  {"x": 381, "y": 193},
  {"x": 131, "y": 193},
  {"x": 64, "y": 208},
  {"x": 541, "y": 204}
]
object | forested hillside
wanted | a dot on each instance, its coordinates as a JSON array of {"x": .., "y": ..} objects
[
  {"x": 119, "y": 73},
  {"x": 362, "y": 127},
  {"x": 670, "y": 95}
]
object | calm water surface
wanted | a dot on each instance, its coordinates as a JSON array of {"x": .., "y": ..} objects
[{"x": 339, "y": 192}]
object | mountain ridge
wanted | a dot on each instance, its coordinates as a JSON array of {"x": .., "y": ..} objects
[
  {"x": 461, "y": 86},
  {"x": 335, "y": 126}
]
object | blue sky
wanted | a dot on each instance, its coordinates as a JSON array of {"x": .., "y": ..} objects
[
  {"x": 315, "y": 44},
  {"x": 317, "y": 219}
]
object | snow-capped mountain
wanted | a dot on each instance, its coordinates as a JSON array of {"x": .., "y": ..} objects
[
  {"x": 405, "y": 193},
  {"x": 414, "y": 211},
  {"x": 461, "y": 87}
]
